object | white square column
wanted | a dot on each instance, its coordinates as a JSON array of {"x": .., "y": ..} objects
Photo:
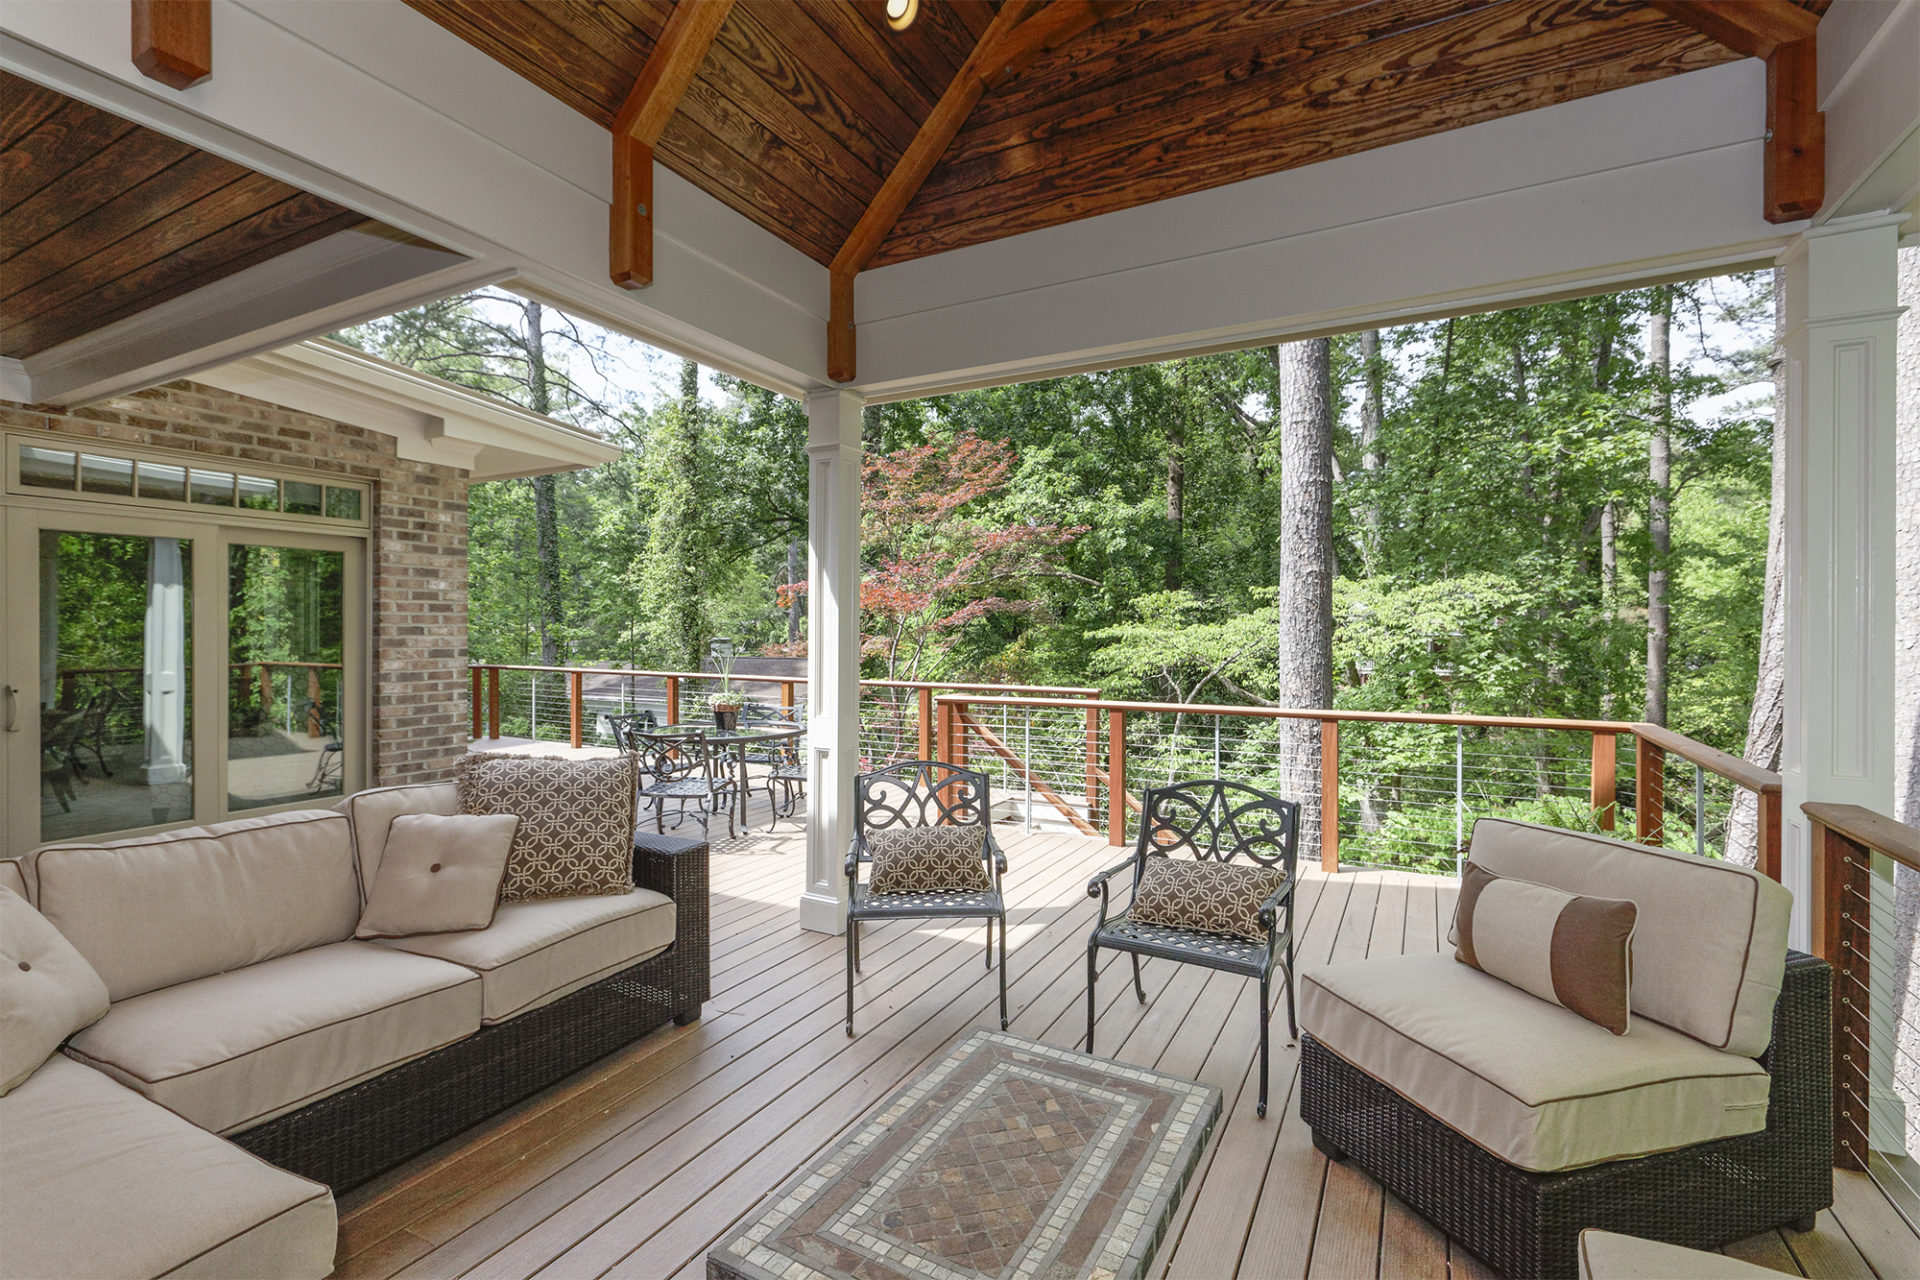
[
  {"x": 833, "y": 651},
  {"x": 1840, "y": 311}
]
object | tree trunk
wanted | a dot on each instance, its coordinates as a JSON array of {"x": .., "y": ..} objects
[
  {"x": 1660, "y": 505},
  {"x": 1906, "y": 698},
  {"x": 1177, "y": 485},
  {"x": 1766, "y": 718},
  {"x": 1609, "y": 521},
  {"x": 1305, "y": 675},
  {"x": 546, "y": 495},
  {"x": 796, "y": 553},
  {"x": 1373, "y": 412}
]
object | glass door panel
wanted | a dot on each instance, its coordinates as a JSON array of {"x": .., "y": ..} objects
[
  {"x": 286, "y": 627},
  {"x": 115, "y": 641}
]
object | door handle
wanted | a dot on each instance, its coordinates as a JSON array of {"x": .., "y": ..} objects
[{"x": 13, "y": 708}]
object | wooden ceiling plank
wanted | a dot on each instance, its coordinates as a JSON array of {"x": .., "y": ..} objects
[
  {"x": 738, "y": 183},
  {"x": 759, "y": 54},
  {"x": 761, "y": 149},
  {"x": 24, "y": 107},
  {"x": 173, "y": 41},
  {"x": 60, "y": 144},
  {"x": 791, "y": 26},
  {"x": 1231, "y": 139},
  {"x": 128, "y": 183},
  {"x": 725, "y": 76},
  {"x": 655, "y": 96},
  {"x": 1751, "y": 28},
  {"x": 1794, "y": 178},
  {"x": 533, "y": 41},
  {"x": 894, "y": 59}
]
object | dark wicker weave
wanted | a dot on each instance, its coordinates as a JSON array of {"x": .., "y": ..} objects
[
  {"x": 1527, "y": 1224},
  {"x": 348, "y": 1137}
]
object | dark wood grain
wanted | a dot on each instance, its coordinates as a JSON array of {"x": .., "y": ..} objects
[
  {"x": 23, "y": 106},
  {"x": 729, "y": 177},
  {"x": 1795, "y": 169},
  {"x": 586, "y": 55},
  {"x": 61, "y": 142},
  {"x": 103, "y": 178}
]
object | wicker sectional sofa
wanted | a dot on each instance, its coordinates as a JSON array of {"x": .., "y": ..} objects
[{"x": 255, "y": 1057}]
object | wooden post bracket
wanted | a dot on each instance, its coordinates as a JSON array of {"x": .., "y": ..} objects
[{"x": 173, "y": 41}]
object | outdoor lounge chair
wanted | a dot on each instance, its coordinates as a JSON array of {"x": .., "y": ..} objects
[
  {"x": 919, "y": 794},
  {"x": 1513, "y": 1123},
  {"x": 1217, "y": 821}
]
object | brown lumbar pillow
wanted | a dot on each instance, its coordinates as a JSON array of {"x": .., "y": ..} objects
[
  {"x": 1574, "y": 951},
  {"x": 929, "y": 860},
  {"x": 1205, "y": 896},
  {"x": 439, "y": 873},
  {"x": 48, "y": 991},
  {"x": 576, "y": 821}
]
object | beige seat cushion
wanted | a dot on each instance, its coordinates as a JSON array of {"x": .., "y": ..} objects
[
  {"x": 97, "y": 1181},
  {"x": 159, "y": 910},
  {"x": 536, "y": 952},
  {"x": 47, "y": 990},
  {"x": 1535, "y": 1084},
  {"x": 1710, "y": 939},
  {"x": 1607, "y": 1256},
  {"x": 230, "y": 1051},
  {"x": 13, "y": 875},
  {"x": 372, "y": 813}
]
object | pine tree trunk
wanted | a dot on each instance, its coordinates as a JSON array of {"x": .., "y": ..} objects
[
  {"x": 1660, "y": 505},
  {"x": 1305, "y": 674},
  {"x": 1766, "y": 718},
  {"x": 1373, "y": 412},
  {"x": 1177, "y": 486},
  {"x": 546, "y": 496},
  {"x": 1609, "y": 520},
  {"x": 796, "y": 554}
]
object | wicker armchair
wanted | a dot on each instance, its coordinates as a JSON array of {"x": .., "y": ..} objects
[
  {"x": 1210, "y": 820},
  {"x": 924, "y": 793}
]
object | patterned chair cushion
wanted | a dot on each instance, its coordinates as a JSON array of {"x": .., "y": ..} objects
[
  {"x": 1208, "y": 897},
  {"x": 928, "y": 859},
  {"x": 576, "y": 821}
]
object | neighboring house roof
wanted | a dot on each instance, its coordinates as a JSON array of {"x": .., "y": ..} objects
[{"x": 433, "y": 420}]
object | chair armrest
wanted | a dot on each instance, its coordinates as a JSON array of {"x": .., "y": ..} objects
[
  {"x": 1097, "y": 887},
  {"x": 1269, "y": 914},
  {"x": 999, "y": 856},
  {"x": 679, "y": 869},
  {"x": 853, "y": 860}
]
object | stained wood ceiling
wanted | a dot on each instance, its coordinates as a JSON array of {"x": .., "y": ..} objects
[
  {"x": 101, "y": 218},
  {"x": 800, "y": 110}
]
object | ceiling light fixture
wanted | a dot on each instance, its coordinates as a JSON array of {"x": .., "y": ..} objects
[{"x": 901, "y": 13}]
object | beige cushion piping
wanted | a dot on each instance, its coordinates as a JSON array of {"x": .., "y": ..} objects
[{"x": 325, "y": 1194}]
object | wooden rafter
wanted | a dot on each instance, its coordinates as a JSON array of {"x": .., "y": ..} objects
[
  {"x": 1784, "y": 34},
  {"x": 675, "y": 59},
  {"x": 173, "y": 40},
  {"x": 1019, "y": 33}
]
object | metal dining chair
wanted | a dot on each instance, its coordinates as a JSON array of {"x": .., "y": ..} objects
[{"x": 684, "y": 767}]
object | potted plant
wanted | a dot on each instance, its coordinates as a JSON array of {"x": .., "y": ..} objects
[{"x": 725, "y": 706}]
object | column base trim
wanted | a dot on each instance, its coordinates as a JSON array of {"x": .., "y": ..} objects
[{"x": 822, "y": 914}]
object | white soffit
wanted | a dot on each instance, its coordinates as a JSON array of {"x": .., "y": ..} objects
[{"x": 432, "y": 421}]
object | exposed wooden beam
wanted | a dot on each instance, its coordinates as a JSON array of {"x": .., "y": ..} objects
[
  {"x": 675, "y": 59},
  {"x": 1784, "y": 34},
  {"x": 1019, "y": 33},
  {"x": 173, "y": 40},
  {"x": 1754, "y": 28}
]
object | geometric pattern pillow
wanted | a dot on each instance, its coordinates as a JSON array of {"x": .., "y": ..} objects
[
  {"x": 576, "y": 821},
  {"x": 1573, "y": 951},
  {"x": 1205, "y": 896},
  {"x": 929, "y": 859}
]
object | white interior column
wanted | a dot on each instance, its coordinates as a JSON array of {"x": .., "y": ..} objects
[{"x": 833, "y": 651}]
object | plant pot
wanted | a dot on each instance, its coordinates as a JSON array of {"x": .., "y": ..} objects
[{"x": 726, "y": 721}]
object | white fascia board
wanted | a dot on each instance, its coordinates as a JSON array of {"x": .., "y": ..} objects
[
  {"x": 1870, "y": 91},
  {"x": 1658, "y": 181},
  {"x": 375, "y": 106},
  {"x": 431, "y": 420}
]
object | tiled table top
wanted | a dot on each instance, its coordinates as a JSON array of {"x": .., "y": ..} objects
[{"x": 1009, "y": 1158}]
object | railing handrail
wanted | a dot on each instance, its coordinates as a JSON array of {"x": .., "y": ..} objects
[
  {"x": 1871, "y": 830},
  {"x": 1740, "y": 772},
  {"x": 1311, "y": 713},
  {"x": 1069, "y": 690}
]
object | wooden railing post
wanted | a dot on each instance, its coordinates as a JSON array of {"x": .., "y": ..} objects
[
  {"x": 925, "y": 718},
  {"x": 1116, "y": 777},
  {"x": 493, "y": 702},
  {"x": 478, "y": 706},
  {"x": 574, "y": 708},
  {"x": 1842, "y": 937},
  {"x": 1330, "y": 795},
  {"x": 786, "y": 695},
  {"x": 673, "y": 699},
  {"x": 1649, "y": 791},
  {"x": 1602, "y": 784},
  {"x": 942, "y": 730},
  {"x": 1769, "y": 857},
  {"x": 956, "y": 735}
]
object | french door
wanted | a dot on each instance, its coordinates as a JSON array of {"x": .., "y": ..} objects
[{"x": 162, "y": 670}]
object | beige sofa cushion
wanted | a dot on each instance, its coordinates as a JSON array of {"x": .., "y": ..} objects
[
  {"x": 233, "y": 1050},
  {"x": 1605, "y": 1255},
  {"x": 47, "y": 990},
  {"x": 536, "y": 952},
  {"x": 1710, "y": 943},
  {"x": 97, "y": 1181},
  {"x": 372, "y": 814},
  {"x": 440, "y": 873},
  {"x": 13, "y": 875},
  {"x": 1535, "y": 1084},
  {"x": 164, "y": 909}
]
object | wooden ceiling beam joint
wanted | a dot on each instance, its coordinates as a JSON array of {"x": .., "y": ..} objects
[
  {"x": 655, "y": 95},
  {"x": 173, "y": 41},
  {"x": 1751, "y": 28}
]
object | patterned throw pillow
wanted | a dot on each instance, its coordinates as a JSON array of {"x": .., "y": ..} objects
[
  {"x": 1207, "y": 897},
  {"x": 929, "y": 859},
  {"x": 1572, "y": 951},
  {"x": 576, "y": 821}
]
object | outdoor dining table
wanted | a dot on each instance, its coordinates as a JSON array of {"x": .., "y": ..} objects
[{"x": 739, "y": 740}]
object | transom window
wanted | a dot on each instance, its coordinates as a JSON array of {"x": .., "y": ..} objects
[{"x": 132, "y": 477}]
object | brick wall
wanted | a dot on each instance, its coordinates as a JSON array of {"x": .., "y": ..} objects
[{"x": 418, "y": 556}]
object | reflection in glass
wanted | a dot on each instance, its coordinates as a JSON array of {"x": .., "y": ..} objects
[
  {"x": 286, "y": 623},
  {"x": 259, "y": 494},
  {"x": 115, "y": 711},
  {"x": 303, "y": 497},
  {"x": 158, "y": 480},
  {"x": 214, "y": 488},
  {"x": 343, "y": 504},
  {"x": 111, "y": 476},
  {"x": 46, "y": 468}
]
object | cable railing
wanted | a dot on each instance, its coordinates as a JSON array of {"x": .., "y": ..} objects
[
  {"x": 1403, "y": 788},
  {"x": 1866, "y": 873}
]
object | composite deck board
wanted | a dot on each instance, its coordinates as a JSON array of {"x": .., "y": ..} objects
[{"x": 636, "y": 1166}]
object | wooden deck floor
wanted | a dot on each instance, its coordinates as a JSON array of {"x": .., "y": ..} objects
[{"x": 637, "y": 1165}]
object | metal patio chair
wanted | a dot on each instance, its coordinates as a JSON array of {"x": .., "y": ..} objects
[
  {"x": 1221, "y": 821},
  {"x": 789, "y": 773},
  {"x": 924, "y": 793},
  {"x": 625, "y": 725},
  {"x": 684, "y": 767}
]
